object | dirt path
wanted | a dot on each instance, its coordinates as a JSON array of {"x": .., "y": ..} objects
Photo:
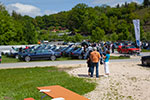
[{"x": 127, "y": 81}]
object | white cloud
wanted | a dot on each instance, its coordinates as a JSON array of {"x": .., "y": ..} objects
[
  {"x": 113, "y": 2},
  {"x": 24, "y": 9},
  {"x": 49, "y": 12},
  {"x": 29, "y": 10}
]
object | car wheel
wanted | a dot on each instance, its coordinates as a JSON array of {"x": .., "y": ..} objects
[
  {"x": 16, "y": 56},
  {"x": 130, "y": 52},
  {"x": 120, "y": 51},
  {"x": 27, "y": 58},
  {"x": 80, "y": 57},
  {"x": 53, "y": 58},
  {"x": 69, "y": 54},
  {"x": 144, "y": 62}
]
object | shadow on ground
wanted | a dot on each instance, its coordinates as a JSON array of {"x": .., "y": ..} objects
[
  {"x": 144, "y": 65},
  {"x": 85, "y": 75}
]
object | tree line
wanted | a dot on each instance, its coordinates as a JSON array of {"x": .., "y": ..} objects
[{"x": 94, "y": 23}]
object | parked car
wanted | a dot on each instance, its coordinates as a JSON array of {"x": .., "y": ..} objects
[
  {"x": 145, "y": 60},
  {"x": 69, "y": 50},
  {"x": 79, "y": 53},
  {"x": 130, "y": 49},
  {"x": 13, "y": 52},
  {"x": 58, "y": 53},
  {"x": 37, "y": 55},
  {"x": 65, "y": 49},
  {"x": 115, "y": 45}
]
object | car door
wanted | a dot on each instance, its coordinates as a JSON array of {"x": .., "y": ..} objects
[
  {"x": 148, "y": 60},
  {"x": 38, "y": 54},
  {"x": 46, "y": 54},
  {"x": 123, "y": 49},
  {"x": 126, "y": 49}
]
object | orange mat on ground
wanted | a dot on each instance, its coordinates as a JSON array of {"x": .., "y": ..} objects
[
  {"x": 57, "y": 91},
  {"x": 29, "y": 99}
]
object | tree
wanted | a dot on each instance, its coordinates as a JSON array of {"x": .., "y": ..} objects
[
  {"x": 30, "y": 33},
  {"x": 78, "y": 38},
  {"x": 44, "y": 35},
  {"x": 65, "y": 38},
  {"x": 117, "y": 6},
  {"x": 16, "y": 16},
  {"x": 39, "y": 22},
  {"x": 146, "y": 18},
  {"x": 146, "y": 3},
  {"x": 132, "y": 7},
  {"x": 7, "y": 27},
  {"x": 76, "y": 17},
  {"x": 102, "y": 22},
  {"x": 114, "y": 37},
  {"x": 89, "y": 21},
  {"x": 97, "y": 34},
  {"x": 120, "y": 36}
]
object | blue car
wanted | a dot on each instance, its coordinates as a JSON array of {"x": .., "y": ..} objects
[
  {"x": 79, "y": 53},
  {"x": 37, "y": 55},
  {"x": 57, "y": 53},
  {"x": 69, "y": 50},
  {"x": 64, "y": 49}
]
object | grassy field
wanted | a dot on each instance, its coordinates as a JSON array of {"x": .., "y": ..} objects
[
  {"x": 144, "y": 50},
  {"x": 6, "y": 59},
  {"x": 119, "y": 57},
  {"x": 16, "y": 84}
]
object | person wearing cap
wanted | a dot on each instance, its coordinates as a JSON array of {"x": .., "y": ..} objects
[{"x": 95, "y": 56}]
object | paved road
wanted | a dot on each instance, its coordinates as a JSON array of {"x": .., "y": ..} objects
[
  {"x": 43, "y": 63},
  {"x": 56, "y": 63}
]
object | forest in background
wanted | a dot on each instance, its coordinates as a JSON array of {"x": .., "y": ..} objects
[{"x": 99, "y": 23}]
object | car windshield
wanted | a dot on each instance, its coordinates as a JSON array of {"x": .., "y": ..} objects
[
  {"x": 57, "y": 50},
  {"x": 69, "y": 49},
  {"x": 131, "y": 47},
  {"x": 77, "y": 50}
]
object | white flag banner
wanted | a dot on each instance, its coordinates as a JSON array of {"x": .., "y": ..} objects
[{"x": 137, "y": 31}]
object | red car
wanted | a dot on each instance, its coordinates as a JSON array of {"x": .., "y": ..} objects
[{"x": 130, "y": 49}]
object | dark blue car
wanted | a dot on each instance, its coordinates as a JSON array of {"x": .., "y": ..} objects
[
  {"x": 79, "y": 53},
  {"x": 57, "y": 53},
  {"x": 37, "y": 55},
  {"x": 69, "y": 50}
]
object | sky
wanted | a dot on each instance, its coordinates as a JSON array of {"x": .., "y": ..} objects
[{"x": 46, "y": 7}]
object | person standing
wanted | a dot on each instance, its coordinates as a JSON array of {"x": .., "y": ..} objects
[
  {"x": 95, "y": 56},
  {"x": 104, "y": 49},
  {"x": 106, "y": 63},
  {"x": 89, "y": 63},
  {"x": 0, "y": 57},
  {"x": 113, "y": 47}
]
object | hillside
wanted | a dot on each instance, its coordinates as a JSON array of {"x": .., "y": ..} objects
[{"x": 144, "y": 16}]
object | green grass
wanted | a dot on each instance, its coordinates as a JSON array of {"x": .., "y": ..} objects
[
  {"x": 16, "y": 84},
  {"x": 63, "y": 58},
  {"x": 6, "y": 59},
  {"x": 119, "y": 57},
  {"x": 144, "y": 50}
]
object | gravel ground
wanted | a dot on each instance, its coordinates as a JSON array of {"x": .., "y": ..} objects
[{"x": 127, "y": 81}]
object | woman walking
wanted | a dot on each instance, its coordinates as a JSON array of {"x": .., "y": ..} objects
[{"x": 106, "y": 63}]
